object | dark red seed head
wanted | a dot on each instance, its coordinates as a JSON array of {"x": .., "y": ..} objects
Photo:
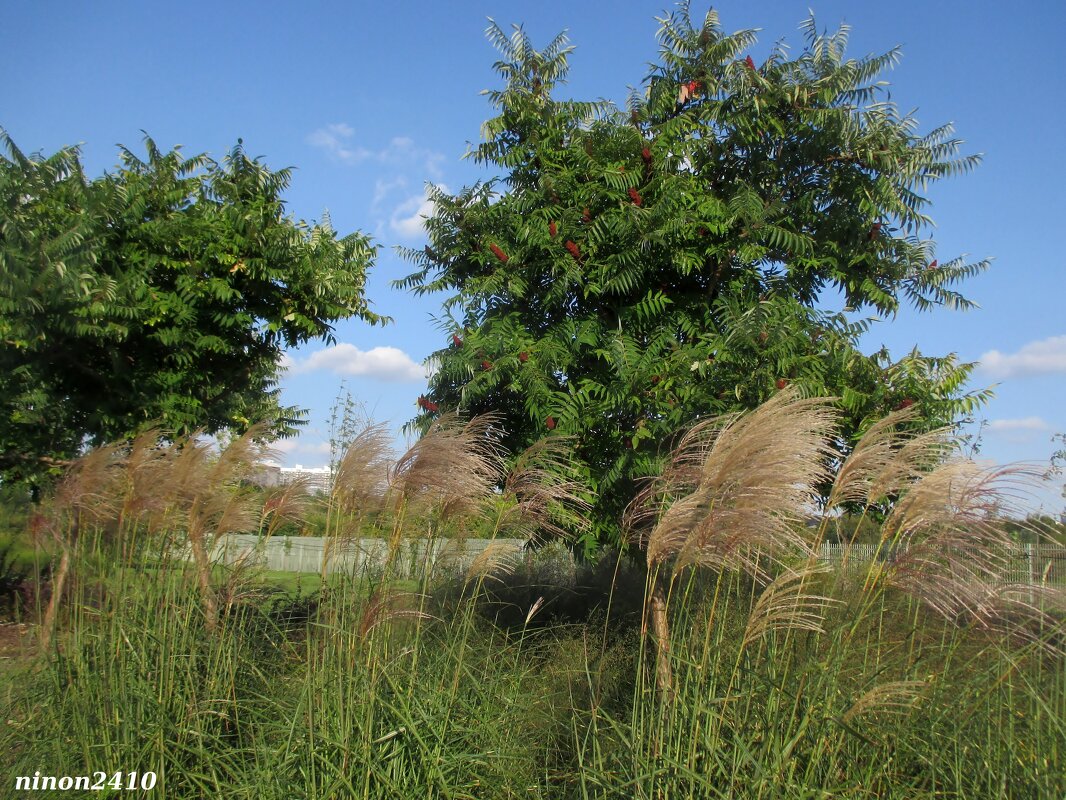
[
  {"x": 781, "y": 383},
  {"x": 550, "y": 423},
  {"x": 750, "y": 63},
  {"x": 575, "y": 251},
  {"x": 552, "y": 229},
  {"x": 634, "y": 195},
  {"x": 646, "y": 155},
  {"x": 496, "y": 251},
  {"x": 456, "y": 340},
  {"x": 586, "y": 215},
  {"x": 523, "y": 356},
  {"x": 486, "y": 365},
  {"x": 934, "y": 265}
]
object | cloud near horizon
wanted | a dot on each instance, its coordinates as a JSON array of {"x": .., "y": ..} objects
[
  {"x": 1042, "y": 357},
  {"x": 383, "y": 363},
  {"x": 1021, "y": 430},
  {"x": 298, "y": 446}
]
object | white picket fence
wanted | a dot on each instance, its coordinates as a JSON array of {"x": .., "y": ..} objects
[
  {"x": 1033, "y": 564},
  {"x": 305, "y": 553}
]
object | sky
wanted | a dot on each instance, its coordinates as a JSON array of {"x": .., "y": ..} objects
[{"x": 371, "y": 101}]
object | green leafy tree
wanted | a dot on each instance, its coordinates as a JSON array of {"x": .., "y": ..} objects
[
  {"x": 161, "y": 293},
  {"x": 631, "y": 272}
]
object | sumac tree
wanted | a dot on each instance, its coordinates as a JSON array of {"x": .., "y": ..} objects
[
  {"x": 161, "y": 293},
  {"x": 632, "y": 271}
]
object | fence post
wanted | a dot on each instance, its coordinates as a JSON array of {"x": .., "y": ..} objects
[{"x": 1031, "y": 579}]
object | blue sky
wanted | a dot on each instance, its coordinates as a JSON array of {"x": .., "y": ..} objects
[{"x": 369, "y": 101}]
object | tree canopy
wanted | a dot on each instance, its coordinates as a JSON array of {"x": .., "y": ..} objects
[
  {"x": 161, "y": 293},
  {"x": 632, "y": 271}
]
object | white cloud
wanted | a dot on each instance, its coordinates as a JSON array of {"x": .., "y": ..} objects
[
  {"x": 1022, "y": 424},
  {"x": 403, "y": 151},
  {"x": 384, "y": 188},
  {"x": 384, "y": 363},
  {"x": 409, "y": 217},
  {"x": 334, "y": 140},
  {"x": 1044, "y": 357}
]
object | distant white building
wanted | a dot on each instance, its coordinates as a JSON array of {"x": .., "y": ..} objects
[{"x": 317, "y": 478}]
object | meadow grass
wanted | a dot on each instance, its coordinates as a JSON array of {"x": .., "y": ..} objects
[{"x": 716, "y": 657}]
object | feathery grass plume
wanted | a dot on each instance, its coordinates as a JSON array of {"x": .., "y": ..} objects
[
  {"x": 914, "y": 458},
  {"x": 287, "y": 503},
  {"x": 885, "y": 459},
  {"x": 190, "y": 470},
  {"x": 497, "y": 559},
  {"x": 86, "y": 498},
  {"x": 361, "y": 476},
  {"x": 217, "y": 503},
  {"x": 360, "y": 485},
  {"x": 785, "y": 604},
  {"x": 892, "y": 697},
  {"x": 226, "y": 505},
  {"x": 148, "y": 467},
  {"x": 92, "y": 487},
  {"x": 1018, "y": 612},
  {"x": 754, "y": 480},
  {"x": 240, "y": 585},
  {"x": 385, "y": 605},
  {"x": 943, "y": 540},
  {"x": 455, "y": 465},
  {"x": 680, "y": 476},
  {"x": 549, "y": 499}
]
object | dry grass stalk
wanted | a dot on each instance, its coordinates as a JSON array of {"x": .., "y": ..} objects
[
  {"x": 786, "y": 604},
  {"x": 660, "y": 624},
  {"x": 534, "y": 610},
  {"x": 680, "y": 477},
  {"x": 744, "y": 483},
  {"x": 753, "y": 478},
  {"x": 893, "y": 697}
]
